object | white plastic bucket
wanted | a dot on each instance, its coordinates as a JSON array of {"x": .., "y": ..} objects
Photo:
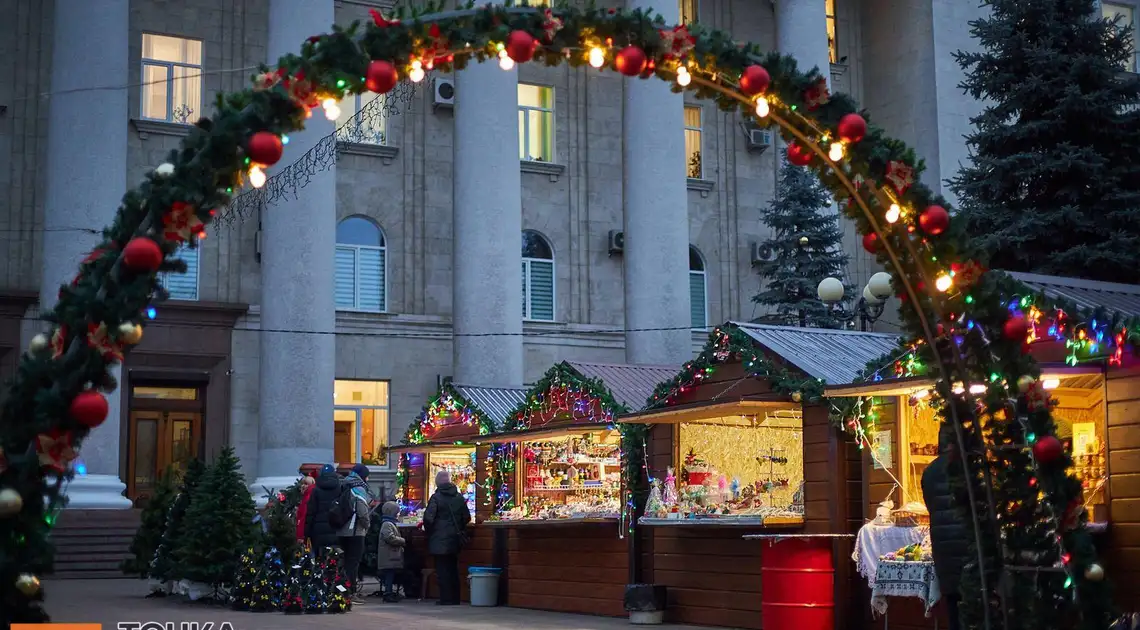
[{"x": 484, "y": 582}]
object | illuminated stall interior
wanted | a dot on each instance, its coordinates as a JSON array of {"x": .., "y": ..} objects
[
  {"x": 460, "y": 464},
  {"x": 575, "y": 475}
]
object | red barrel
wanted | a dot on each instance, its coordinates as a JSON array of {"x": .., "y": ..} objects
[{"x": 797, "y": 581}]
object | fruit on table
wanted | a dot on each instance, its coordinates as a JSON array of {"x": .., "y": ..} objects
[{"x": 909, "y": 553}]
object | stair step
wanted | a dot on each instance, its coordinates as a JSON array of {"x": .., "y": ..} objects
[
  {"x": 92, "y": 557},
  {"x": 95, "y": 532},
  {"x": 94, "y": 574}
]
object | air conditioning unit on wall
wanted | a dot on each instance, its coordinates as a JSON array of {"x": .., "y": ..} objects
[
  {"x": 443, "y": 93},
  {"x": 758, "y": 139},
  {"x": 761, "y": 254},
  {"x": 616, "y": 242}
]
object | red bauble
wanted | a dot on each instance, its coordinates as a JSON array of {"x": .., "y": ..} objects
[
  {"x": 1016, "y": 328},
  {"x": 89, "y": 408},
  {"x": 852, "y": 128},
  {"x": 798, "y": 155},
  {"x": 631, "y": 61},
  {"x": 142, "y": 255},
  {"x": 1048, "y": 449},
  {"x": 381, "y": 77},
  {"x": 264, "y": 148},
  {"x": 754, "y": 80},
  {"x": 520, "y": 46},
  {"x": 871, "y": 242},
  {"x": 934, "y": 220}
]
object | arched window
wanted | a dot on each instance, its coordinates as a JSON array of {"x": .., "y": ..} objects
[
  {"x": 360, "y": 266},
  {"x": 698, "y": 290},
  {"x": 537, "y": 277}
]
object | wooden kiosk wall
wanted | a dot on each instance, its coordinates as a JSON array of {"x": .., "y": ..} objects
[
  {"x": 1122, "y": 555},
  {"x": 568, "y": 567}
]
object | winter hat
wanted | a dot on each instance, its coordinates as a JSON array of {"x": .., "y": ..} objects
[
  {"x": 327, "y": 468},
  {"x": 361, "y": 471}
]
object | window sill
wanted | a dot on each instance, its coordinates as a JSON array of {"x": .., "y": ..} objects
[
  {"x": 703, "y": 186},
  {"x": 554, "y": 171},
  {"x": 384, "y": 152},
  {"x": 160, "y": 128}
]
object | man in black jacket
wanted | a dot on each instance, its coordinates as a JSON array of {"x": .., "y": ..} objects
[
  {"x": 948, "y": 533},
  {"x": 445, "y": 522},
  {"x": 318, "y": 530}
]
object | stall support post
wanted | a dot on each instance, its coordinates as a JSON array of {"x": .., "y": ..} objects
[{"x": 500, "y": 559}]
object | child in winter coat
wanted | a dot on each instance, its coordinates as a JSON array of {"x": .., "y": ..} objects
[{"x": 390, "y": 556}]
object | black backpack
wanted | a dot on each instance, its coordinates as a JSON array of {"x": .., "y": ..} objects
[{"x": 343, "y": 509}]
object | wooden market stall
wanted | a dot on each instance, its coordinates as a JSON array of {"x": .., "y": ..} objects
[{"x": 748, "y": 457}]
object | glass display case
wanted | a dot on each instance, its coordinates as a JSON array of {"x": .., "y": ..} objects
[{"x": 574, "y": 476}]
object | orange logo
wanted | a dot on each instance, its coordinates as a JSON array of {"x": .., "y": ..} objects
[{"x": 57, "y": 626}]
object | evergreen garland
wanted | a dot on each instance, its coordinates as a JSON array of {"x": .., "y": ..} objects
[
  {"x": 448, "y": 401},
  {"x": 152, "y": 525},
  {"x": 562, "y": 376}
]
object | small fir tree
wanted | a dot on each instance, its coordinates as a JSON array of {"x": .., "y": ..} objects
[
  {"x": 806, "y": 247},
  {"x": 218, "y": 526},
  {"x": 280, "y": 517},
  {"x": 152, "y": 525},
  {"x": 269, "y": 587},
  {"x": 1054, "y": 184},
  {"x": 241, "y": 598},
  {"x": 164, "y": 566}
]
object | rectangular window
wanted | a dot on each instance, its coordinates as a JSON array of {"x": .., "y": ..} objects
[
  {"x": 1125, "y": 16},
  {"x": 832, "y": 40},
  {"x": 360, "y": 420},
  {"x": 183, "y": 286},
  {"x": 359, "y": 282},
  {"x": 693, "y": 166},
  {"x": 362, "y": 119},
  {"x": 538, "y": 290},
  {"x": 697, "y": 299},
  {"x": 688, "y": 11},
  {"x": 536, "y": 123},
  {"x": 171, "y": 78}
]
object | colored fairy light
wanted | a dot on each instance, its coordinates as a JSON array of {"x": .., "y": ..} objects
[
  {"x": 284, "y": 139},
  {"x": 151, "y": 313},
  {"x": 943, "y": 283}
]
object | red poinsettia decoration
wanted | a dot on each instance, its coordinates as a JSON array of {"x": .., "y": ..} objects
[
  {"x": 301, "y": 90},
  {"x": 1037, "y": 397},
  {"x": 267, "y": 80},
  {"x": 181, "y": 223},
  {"x": 967, "y": 274},
  {"x": 678, "y": 41},
  {"x": 379, "y": 20},
  {"x": 55, "y": 450},
  {"x": 551, "y": 24},
  {"x": 58, "y": 342},
  {"x": 900, "y": 175},
  {"x": 817, "y": 94},
  {"x": 435, "y": 46},
  {"x": 99, "y": 339}
]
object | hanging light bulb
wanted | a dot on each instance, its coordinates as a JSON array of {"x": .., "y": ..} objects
[
  {"x": 332, "y": 110},
  {"x": 893, "y": 213},
  {"x": 835, "y": 152},
  {"x": 256, "y": 176},
  {"x": 977, "y": 388},
  {"x": 505, "y": 62},
  {"x": 597, "y": 57},
  {"x": 943, "y": 282},
  {"x": 416, "y": 74},
  {"x": 683, "y": 76},
  {"x": 762, "y": 107}
]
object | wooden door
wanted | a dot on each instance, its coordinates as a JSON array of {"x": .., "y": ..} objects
[{"x": 158, "y": 440}]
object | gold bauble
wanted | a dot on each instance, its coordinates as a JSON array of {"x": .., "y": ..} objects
[
  {"x": 130, "y": 332},
  {"x": 1094, "y": 573},
  {"x": 39, "y": 343},
  {"x": 28, "y": 584},
  {"x": 797, "y": 396},
  {"x": 1025, "y": 382},
  {"x": 10, "y": 502}
]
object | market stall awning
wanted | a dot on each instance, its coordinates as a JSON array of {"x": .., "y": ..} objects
[
  {"x": 542, "y": 433},
  {"x": 429, "y": 447},
  {"x": 1056, "y": 374},
  {"x": 716, "y": 413}
]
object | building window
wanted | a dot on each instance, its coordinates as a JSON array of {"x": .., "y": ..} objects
[
  {"x": 183, "y": 286},
  {"x": 688, "y": 10},
  {"x": 537, "y": 277},
  {"x": 370, "y": 126},
  {"x": 693, "y": 166},
  {"x": 536, "y": 123},
  {"x": 1125, "y": 16},
  {"x": 360, "y": 266},
  {"x": 171, "y": 79},
  {"x": 360, "y": 419},
  {"x": 832, "y": 41},
  {"x": 698, "y": 291}
]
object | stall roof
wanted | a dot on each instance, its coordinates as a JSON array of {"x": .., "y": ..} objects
[
  {"x": 836, "y": 356},
  {"x": 631, "y": 385},
  {"x": 1090, "y": 294},
  {"x": 496, "y": 402}
]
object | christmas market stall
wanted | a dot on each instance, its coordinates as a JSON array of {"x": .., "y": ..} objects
[
  {"x": 1093, "y": 387},
  {"x": 740, "y": 443},
  {"x": 559, "y": 474}
]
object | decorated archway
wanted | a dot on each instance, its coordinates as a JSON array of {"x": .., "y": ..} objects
[{"x": 974, "y": 334}]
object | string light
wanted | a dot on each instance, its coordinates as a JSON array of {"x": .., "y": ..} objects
[
  {"x": 597, "y": 57},
  {"x": 332, "y": 110},
  {"x": 416, "y": 74},
  {"x": 835, "y": 152},
  {"x": 893, "y": 213},
  {"x": 505, "y": 61},
  {"x": 256, "y": 176},
  {"x": 683, "y": 76},
  {"x": 943, "y": 282},
  {"x": 762, "y": 107}
]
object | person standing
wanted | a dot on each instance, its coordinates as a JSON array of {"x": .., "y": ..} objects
[
  {"x": 351, "y": 535},
  {"x": 445, "y": 522},
  {"x": 308, "y": 482},
  {"x": 948, "y": 532},
  {"x": 390, "y": 552},
  {"x": 318, "y": 530}
]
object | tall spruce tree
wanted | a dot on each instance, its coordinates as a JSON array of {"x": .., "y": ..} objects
[
  {"x": 1054, "y": 185},
  {"x": 164, "y": 567},
  {"x": 152, "y": 525},
  {"x": 219, "y": 525},
  {"x": 805, "y": 247}
]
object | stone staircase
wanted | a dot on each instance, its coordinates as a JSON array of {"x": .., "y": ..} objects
[{"x": 92, "y": 543}]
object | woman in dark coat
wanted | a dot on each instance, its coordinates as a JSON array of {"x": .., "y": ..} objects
[
  {"x": 445, "y": 520},
  {"x": 948, "y": 534},
  {"x": 320, "y": 532}
]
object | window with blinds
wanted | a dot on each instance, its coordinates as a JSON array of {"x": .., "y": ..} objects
[
  {"x": 693, "y": 166},
  {"x": 360, "y": 267},
  {"x": 698, "y": 293},
  {"x": 183, "y": 286},
  {"x": 537, "y": 278}
]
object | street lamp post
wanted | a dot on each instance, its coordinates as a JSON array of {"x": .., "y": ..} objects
[{"x": 868, "y": 309}]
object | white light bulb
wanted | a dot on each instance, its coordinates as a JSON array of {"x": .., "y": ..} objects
[
  {"x": 505, "y": 62},
  {"x": 332, "y": 110},
  {"x": 835, "y": 152},
  {"x": 762, "y": 107},
  {"x": 893, "y": 213},
  {"x": 977, "y": 389},
  {"x": 1051, "y": 383},
  {"x": 597, "y": 57},
  {"x": 416, "y": 74},
  {"x": 257, "y": 177},
  {"x": 683, "y": 76},
  {"x": 943, "y": 283},
  {"x": 958, "y": 389}
]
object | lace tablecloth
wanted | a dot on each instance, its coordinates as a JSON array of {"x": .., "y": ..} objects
[
  {"x": 905, "y": 579},
  {"x": 875, "y": 540}
]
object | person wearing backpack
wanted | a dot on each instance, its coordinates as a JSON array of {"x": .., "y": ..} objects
[
  {"x": 353, "y": 514},
  {"x": 321, "y": 533},
  {"x": 445, "y": 522}
]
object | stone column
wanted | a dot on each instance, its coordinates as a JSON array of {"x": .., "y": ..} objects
[
  {"x": 487, "y": 255},
  {"x": 85, "y": 178},
  {"x": 656, "y": 225},
  {"x": 297, "y": 369},
  {"x": 801, "y": 31}
]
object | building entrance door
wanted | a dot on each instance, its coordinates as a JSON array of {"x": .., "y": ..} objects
[{"x": 165, "y": 432}]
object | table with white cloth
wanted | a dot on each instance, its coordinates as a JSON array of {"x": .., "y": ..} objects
[
  {"x": 875, "y": 540},
  {"x": 905, "y": 579}
]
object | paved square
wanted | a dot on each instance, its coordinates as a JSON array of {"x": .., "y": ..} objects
[{"x": 112, "y": 601}]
